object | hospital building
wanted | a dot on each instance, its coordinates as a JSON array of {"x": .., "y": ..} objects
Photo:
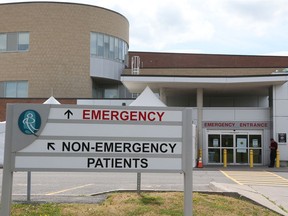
[{"x": 80, "y": 54}]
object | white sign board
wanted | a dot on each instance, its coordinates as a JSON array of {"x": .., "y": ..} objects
[
  {"x": 53, "y": 137},
  {"x": 241, "y": 145},
  {"x": 42, "y": 137}
]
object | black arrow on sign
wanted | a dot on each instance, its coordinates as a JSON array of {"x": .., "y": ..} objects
[
  {"x": 68, "y": 113},
  {"x": 50, "y": 145}
]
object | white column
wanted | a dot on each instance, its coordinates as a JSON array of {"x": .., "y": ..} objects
[
  {"x": 199, "y": 118},
  {"x": 163, "y": 95}
]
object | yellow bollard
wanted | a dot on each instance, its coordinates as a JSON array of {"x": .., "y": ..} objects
[
  {"x": 225, "y": 158},
  {"x": 277, "y": 159},
  {"x": 200, "y": 153},
  {"x": 251, "y": 158}
]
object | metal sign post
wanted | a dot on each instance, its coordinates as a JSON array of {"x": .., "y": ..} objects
[
  {"x": 7, "y": 179},
  {"x": 187, "y": 162},
  {"x": 42, "y": 137}
]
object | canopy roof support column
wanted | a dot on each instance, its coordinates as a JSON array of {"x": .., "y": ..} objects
[
  {"x": 163, "y": 95},
  {"x": 199, "y": 117}
]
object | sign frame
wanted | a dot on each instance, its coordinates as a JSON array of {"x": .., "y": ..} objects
[{"x": 17, "y": 139}]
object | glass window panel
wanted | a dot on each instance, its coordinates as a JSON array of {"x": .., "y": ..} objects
[
  {"x": 255, "y": 141},
  {"x": 213, "y": 140},
  {"x": 227, "y": 140},
  {"x": 257, "y": 156},
  {"x": 23, "y": 43},
  {"x": 135, "y": 95},
  {"x": 126, "y": 54},
  {"x": 3, "y": 42},
  {"x": 110, "y": 93},
  {"x": 120, "y": 50},
  {"x": 22, "y": 89},
  {"x": 100, "y": 45},
  {"x": 12, "y": 39},
  {"x": 2, "y": 89},
  {"x": 116, "y": 49},
  {"x": 214, "y": 156},
  {"x": 111, "y": 47},
  {"x": 106, "y": 46},
  {"x": 229, "y": 155},
  {"x": 241, "y": 143},
  {"x": 10, "y": 89},
  {"x": 242, "y": 157},
  {"x": 93, "y": 42}
]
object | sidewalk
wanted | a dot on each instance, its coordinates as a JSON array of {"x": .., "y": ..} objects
[
  {"x": 251, "y": 194},
  {"x": 272, "y": 197}
]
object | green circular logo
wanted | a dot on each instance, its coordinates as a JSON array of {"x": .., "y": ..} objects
[{"x": 29, "y": 122}]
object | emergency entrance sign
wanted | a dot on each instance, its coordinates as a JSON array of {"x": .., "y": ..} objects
[{"x": 43, "y": 137}]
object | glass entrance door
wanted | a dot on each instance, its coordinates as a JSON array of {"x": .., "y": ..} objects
[
  {"x": 237, "y": 144},
  {"x": 241, "y": 148}
]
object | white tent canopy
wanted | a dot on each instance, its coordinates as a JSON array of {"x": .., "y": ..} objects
[
  {"x": 147, "y": 98},
  {"x": 51, "y": 100}
]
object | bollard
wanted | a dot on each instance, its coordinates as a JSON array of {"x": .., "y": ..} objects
[
  {"x": 251, "y": 158},
  {"x": 225, "y": 158},
  {"x": 277, "y": 159},
  {"x": 200, "y": 153}
]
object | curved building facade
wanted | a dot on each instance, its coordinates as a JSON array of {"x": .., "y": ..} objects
[
  {"x": 64, "y": 49},
  {"x": 79, "y": 53}
]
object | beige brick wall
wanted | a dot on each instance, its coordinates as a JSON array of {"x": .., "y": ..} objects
[{"x": 58, "y": 60}]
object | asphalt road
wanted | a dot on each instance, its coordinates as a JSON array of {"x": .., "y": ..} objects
[
  {"x": 55, "y": 184},
  {"x": 79, "y": 186}
]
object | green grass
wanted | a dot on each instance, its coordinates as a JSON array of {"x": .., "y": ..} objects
[{"x": 147, "y": 204}]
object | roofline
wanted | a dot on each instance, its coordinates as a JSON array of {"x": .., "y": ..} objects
[
  {"x": 205, "y": 54},
  {"x": 238, "y": 76},
  {"x": 138, "y": 83},
  {"x": 67, "y": 3},
  {"x": 208, "y": 67}
]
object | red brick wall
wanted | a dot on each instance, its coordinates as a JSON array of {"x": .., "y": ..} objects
[
  {"x": 5, "y": 101},
  {"x": 183, "y": 60}
]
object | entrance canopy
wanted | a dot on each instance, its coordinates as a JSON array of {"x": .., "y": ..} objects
[{"x": 247, "y": 84}]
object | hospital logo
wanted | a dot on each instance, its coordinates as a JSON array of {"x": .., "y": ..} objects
[{"x": 29, "y": 122}]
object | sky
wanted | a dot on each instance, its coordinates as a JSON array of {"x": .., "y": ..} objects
[{"x": 244, "y": 27}]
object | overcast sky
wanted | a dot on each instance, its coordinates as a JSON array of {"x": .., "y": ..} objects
[{"x": 246, "y": 27}]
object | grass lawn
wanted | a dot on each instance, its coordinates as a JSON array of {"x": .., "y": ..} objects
[{"x": 146, "y": 204}]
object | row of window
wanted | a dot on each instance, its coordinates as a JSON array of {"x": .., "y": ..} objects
[
  {"x": 14, "y": 89},
  {"x": 109, "y": 47},
  {"x": 14, "y": 41}
]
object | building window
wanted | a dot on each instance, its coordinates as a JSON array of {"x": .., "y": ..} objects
[
  {"x": 14, "y": 41},
  {"x": 3, "y": 42},
  {"x": 111, "y": 93},
  {"x": 135, "y": 95},
  {"x": 23, "y": 41},
  {"x": 108, "y": 47},
  {"x": 93, "y": 44},
  {"x": 100, "y": 45},
  {"x": 14, "y": 89}
]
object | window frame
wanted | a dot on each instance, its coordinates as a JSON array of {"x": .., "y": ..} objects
[
  {"x": 108, "y": 47},
  {"x": 13, "y": 42},
  {"x": 14, "y": 89}
]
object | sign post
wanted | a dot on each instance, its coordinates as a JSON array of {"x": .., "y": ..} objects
[
  {"x": 187, "y": 159},
  {"x": 42, "y": 137}
]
